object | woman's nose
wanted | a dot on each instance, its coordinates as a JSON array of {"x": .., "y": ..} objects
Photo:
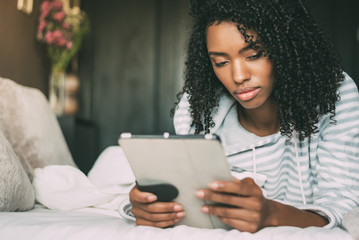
[{"x": 240, "y": 71}]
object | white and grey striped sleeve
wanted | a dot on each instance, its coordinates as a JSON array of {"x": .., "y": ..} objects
[{"x": 336, "y": 189}]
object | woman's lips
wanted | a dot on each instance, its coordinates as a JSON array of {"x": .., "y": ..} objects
[{"x": 246, "y": 94}]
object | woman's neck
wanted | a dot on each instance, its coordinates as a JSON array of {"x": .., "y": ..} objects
[{"x": 261, "y": 121}]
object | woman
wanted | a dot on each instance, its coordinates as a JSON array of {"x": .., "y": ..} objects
[{"x": 262, "y": 76}]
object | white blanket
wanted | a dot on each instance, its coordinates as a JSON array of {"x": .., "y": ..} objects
[
  {"x": 67, "y": 188},
  {"x": 45, "y": 224},
  {"x": 86, "y": 207}
]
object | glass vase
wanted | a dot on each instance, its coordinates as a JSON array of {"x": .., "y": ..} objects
[{"x": 57, "y": 91}]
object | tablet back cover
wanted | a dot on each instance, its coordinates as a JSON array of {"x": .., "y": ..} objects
[{"x": 189, "y": 164}]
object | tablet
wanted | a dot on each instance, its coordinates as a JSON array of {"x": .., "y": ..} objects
[{"x": 175, "y": 167}]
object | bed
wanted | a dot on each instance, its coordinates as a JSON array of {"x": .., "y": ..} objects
[
  {"x": 36, "y": 166},
  {"x": 43, "y": 224},
  {"x": 81, "y": 210}
]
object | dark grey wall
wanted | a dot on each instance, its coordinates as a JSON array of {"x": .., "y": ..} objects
[
  {"x": 131, "y": 65},
  {"x": 340, "y": 20}
]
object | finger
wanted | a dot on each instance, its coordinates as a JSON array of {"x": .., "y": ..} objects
[
  {"x": 234, "y": 213},
  {"x": 159, "y": 207},
  {"x": 253, "y": 203},
  {"x": 141, "y": 197},
  {"x": 162, "y": 224},
  {"x": 157, "y": 217},
  {"x": 245, "y": 187}
]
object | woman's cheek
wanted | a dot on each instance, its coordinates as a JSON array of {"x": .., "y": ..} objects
[{"x": 222, "y": 76}]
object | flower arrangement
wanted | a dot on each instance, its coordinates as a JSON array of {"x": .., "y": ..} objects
[{"x": 62, "y": 32}]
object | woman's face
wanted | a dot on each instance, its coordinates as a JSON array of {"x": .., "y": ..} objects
[{"x": 246, "y": 73}]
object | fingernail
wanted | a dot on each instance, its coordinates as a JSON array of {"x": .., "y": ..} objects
[
  {"x": 214, "y": 185},
  {"x": 180, "y": 214},
  {"x": 205, "y": 209},
  {"x": 152, "y": 198},
  {"x": 177, "y": 208},
  {"x": 200, "y": 194}
]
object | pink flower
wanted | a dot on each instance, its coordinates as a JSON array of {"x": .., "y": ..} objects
[
  {"x": 57, "y": 34},
  {"x": 61, "y": 42},
  {"x": 69, "y": 45},
  {"x": 57, "y": 4},
  {"x": 42, "y": 25},
  {"x": 66, "y": 25},
  {"x": 45, "y": 6},
  {"x": 49, "y": 38},
  {"x": 59, "y": 16},
  {"x": 45, "y": 9},
  {"x": 56, "y": 30}
]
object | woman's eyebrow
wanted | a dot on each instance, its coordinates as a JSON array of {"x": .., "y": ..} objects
[
  {"x": 246, "y": 48},
  {"x": 217, "y": 54}
]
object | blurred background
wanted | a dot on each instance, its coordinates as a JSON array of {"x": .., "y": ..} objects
[{"x": 130, "y": 66}]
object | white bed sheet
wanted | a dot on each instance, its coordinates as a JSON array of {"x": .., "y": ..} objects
[
  {"x": 45, "y": 224},
  {"x": 66, "y": 189}
]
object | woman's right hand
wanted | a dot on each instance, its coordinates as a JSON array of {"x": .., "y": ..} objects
[{"x": 148, "y": 212}]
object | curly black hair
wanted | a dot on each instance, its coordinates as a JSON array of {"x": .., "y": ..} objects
[{"x": 307, "y": 69}]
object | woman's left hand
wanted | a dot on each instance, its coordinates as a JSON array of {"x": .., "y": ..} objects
[{"x": 248, "y": 209}]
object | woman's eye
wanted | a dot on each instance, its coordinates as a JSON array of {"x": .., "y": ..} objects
[
  {"x": 220, "y": 64},
  {"x": 256, "y": 56}
]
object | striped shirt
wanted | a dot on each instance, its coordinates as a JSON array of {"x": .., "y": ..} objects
[{"x": 320, "y": 174}]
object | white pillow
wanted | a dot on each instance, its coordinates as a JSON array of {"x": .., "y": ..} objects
[
  {"x": 16, "y": 191},
  {"x": 31, "y": 127}
]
